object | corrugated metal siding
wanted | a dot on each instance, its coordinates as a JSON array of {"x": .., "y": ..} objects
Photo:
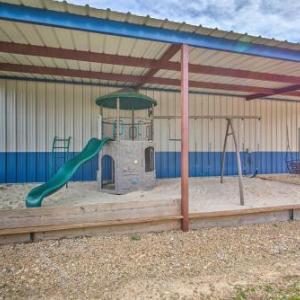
[{"x": 32, "y": 113}]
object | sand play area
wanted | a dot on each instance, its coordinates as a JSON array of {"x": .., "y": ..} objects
[{"x": 206, "y": 193}]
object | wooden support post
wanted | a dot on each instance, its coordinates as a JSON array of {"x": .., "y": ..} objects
[{"x": 185, "y": 137}]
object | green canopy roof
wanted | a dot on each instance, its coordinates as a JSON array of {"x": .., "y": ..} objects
[{"x": 129, "y": 100}]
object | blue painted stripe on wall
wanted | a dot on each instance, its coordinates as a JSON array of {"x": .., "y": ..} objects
[{"x": 19, "y": 167}]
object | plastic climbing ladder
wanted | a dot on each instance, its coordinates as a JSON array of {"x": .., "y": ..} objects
[{"x": 60, "y": 150}]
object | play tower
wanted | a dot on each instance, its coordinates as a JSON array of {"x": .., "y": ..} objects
[{"x": 127, "y": 163}]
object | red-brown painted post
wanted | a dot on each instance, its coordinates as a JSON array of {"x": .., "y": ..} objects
[{"x": 185, "y": 137}]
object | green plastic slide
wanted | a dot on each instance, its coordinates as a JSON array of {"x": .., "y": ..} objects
[{"x": 65, "y": 173}]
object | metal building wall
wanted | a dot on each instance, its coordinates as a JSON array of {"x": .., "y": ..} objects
[{"x": 32, "y": 113}]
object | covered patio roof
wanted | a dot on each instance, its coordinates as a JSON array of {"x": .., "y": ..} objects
[
  {"x": 56, "y": 41},
  {"x": 61, "y": 42}
]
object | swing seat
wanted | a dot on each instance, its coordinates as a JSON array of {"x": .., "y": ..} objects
[{"x": 293, "y": 166}]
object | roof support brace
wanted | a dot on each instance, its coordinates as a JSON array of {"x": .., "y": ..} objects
[
  {"x": 171, "y": 51},
  {"x": 284, "y": 90}
]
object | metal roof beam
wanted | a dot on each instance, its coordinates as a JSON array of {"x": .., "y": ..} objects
[
  {"x": 161, "y": 89},
  {"x": 135, "y": 80},
  {"x": 238, "y": 73},
  {"x": 71, "y": 54},
  {"x": 123, "y": 60},
  {"x": 169, "y": 53},
  {"x": 284, "y": 90},
  {"x": 21, "y": 13}
]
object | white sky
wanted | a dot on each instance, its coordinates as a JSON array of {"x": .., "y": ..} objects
[{"x": 279, "y": 19}]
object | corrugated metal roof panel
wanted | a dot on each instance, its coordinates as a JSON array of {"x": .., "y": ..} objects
[
  {"x": 88, "y": 41},
  {"x": 135, "y": 19},
  {"x": 244, "y": 62}
]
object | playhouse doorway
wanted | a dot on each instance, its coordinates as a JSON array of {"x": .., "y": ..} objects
[{"x": 108, "y": 172}]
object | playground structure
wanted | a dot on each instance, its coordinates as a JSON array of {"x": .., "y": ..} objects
[{"x": 127, "y": 163}]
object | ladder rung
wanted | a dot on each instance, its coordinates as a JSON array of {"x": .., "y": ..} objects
[
  {"x": 61, "y": 140},
  {"x": 60, "y": 147}
]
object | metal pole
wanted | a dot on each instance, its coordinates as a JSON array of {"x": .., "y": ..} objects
[
  {"x": 100, "y": 123},
  {"x": 118, "y": 120},
  {"x": 185, "y": 137},
  {"x": 132, "y": 124},
  {"x": 152, "y": 124},
  {"x": 212, "y": 117},
  {"x": 224, "y": 151},
  {"x": 239, "y": 165}
]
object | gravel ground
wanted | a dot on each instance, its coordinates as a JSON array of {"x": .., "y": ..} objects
[{"x": 247, "y": 262}]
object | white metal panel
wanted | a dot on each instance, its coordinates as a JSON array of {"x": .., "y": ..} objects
[
  {"x": 293, "y": 127},
  {"x": 197, "y": 128},
  {"x": 11, "y": 138},
  {"x": 298, "y": 127},
  {"x": 177, "y": 97},
  {"x": 235, "y": 107},
  {"x": 218, "y": 124},
  {"x": 59, "y": 110},
  {"x": 41, "y": 113},
  {"x": 22, "y": 117},
  {"x": 171, "y": 111},
  {"x": 192, "y": 124},
  {"x": 86, "y": 114},
  {"x": 78, "y": 122},
  {"x": 3, "y": 116},
  {"x": 69, "y": 114},
  {"x": 95, "y": 110},
  {"x": 50, "y": 117},
  {"x": 31, "y": 117},
  {"x": 205, "y": 123},
  {"x": 165, "y": 123},
  {"x": 264, "y": 123}
]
